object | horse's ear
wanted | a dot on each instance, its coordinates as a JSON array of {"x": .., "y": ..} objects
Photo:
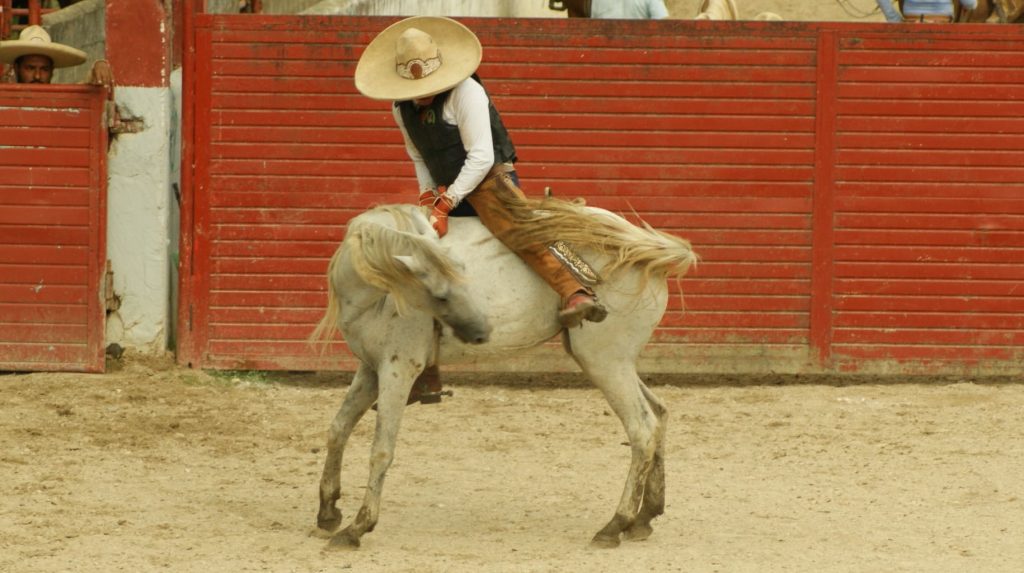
[
  {"x": 412, "y": 263},
  {"x": 421, "y": 224}
]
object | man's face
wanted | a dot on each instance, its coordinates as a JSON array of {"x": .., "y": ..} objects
[{"x": 34, "y": 69}]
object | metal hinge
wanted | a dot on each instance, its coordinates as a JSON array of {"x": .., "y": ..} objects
[
  {"x": 110, "y": 299},
  {"x": 116, "y": 124}
]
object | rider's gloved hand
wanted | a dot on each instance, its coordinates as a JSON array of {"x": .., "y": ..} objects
[
  {"x": 443, "y": 205},
  {"x": 427, "y": 197}
]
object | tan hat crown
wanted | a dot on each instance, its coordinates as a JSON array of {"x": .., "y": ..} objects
[
  {"x": 35, "y": 34},
  {"x": 416, "y": 54}
]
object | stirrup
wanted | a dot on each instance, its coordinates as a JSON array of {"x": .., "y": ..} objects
[
  {"x": 430, "y": 397},
  {"x": 425, "y": 398},
  {"x": 581, "y": 306}
]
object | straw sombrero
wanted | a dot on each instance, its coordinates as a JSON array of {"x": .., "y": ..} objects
[
  {"x": 417, "y": 57},
  {"x": 36, "y": 42}
]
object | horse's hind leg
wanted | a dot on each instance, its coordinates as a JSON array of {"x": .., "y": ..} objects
[
  {"x": 394, "y": 384},
  {"x": 653, "y": 503},
  {"x": 361, "y": 394},
  {"x": 618, "y": 380}
]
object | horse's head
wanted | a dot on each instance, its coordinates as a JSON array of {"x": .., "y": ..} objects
[{"x": 447, "y": 298}]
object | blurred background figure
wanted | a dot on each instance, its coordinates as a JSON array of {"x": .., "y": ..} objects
[
  {"x": 612, "y": 9},
  {"x": 928, "y": 11},
  {"x": 718, "y": 10}
]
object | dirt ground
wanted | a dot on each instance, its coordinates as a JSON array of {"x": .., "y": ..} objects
[{"x": 155, "y": 468}]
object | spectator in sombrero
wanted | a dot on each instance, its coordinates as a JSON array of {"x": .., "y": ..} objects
[{"x": 33, "y": 57}]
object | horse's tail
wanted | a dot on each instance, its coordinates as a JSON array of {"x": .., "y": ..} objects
[
  {"x": 328, "y": 326},
  {"x": 642, "y": 247}
]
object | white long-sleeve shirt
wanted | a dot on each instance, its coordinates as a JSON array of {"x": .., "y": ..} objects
[{"x": 467, "y": 107}]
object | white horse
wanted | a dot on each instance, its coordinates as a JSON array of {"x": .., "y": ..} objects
[{"x": 392, "y": 278}]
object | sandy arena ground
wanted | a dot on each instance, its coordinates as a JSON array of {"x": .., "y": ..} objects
[{"x": 155, "y": 468}]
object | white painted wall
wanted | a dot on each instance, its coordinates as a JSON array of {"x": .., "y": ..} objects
[{"x": 140, "y": 211}]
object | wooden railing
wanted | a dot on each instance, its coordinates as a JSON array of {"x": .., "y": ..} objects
[{"x": 15, "y": 19}]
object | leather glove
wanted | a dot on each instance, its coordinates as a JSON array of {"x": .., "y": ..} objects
[
  {"x": 439, "y": 214},
  {"x": 427, "y": 197}
]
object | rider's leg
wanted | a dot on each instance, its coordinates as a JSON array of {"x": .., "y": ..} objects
[{"x": 578, "y": 301}]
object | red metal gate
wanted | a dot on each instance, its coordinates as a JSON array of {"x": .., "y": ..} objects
[
  {"x": 850, "y": 188},
  {"x": 53, "y": 146}
]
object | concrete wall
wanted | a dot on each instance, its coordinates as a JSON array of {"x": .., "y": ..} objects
[{"x": 83, "y": 26}]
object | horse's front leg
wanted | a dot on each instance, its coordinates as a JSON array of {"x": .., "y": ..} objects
[
  {"x": 394, "y": 383},
  {"x": 361, "y": 394}
]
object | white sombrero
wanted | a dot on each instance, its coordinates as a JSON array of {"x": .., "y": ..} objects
[
  {"x": 34, "y": 41},
  {"x": 417, "y": 57}
]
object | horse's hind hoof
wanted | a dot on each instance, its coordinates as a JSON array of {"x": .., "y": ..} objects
[
  {"x": 343, "y": 541},
  {"x": 604, "y": 541},
  {"x": 637, "y": 532},
  {"x": 321, "y": 533}
]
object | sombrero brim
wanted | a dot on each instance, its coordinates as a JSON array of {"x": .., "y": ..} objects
[
  {"x": 377, "y": 77},
  {"x": 62, "y": 56}
]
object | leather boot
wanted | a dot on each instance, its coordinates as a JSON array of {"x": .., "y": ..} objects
[
  {"x": 427, "y": 387},
  {"x": 581, "y": 306}
]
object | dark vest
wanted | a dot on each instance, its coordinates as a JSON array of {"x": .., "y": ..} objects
[{"x": 440, "y": 143}]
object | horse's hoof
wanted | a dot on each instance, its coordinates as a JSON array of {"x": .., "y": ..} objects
[
  {"x": 329, "y": 522},
  {"x": 343, "y": 541},
  {"x": 601, "y": 541},
  {"x": 321, "y": 533},
  {"x": 637, "y": 532}
]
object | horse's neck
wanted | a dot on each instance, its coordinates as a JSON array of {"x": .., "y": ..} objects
[{"x": 356, "y": 295}]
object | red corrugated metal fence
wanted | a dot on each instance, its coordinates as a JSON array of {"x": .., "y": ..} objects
[
  {"x": 53, "y": 147},
  {"x": 850, "y": 188}
]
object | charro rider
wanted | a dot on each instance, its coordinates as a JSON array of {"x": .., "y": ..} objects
[{"x": 461, "y": 151}]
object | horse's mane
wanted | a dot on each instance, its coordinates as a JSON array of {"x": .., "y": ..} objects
[
  {"x": 630, "y": 246},
  {"x": 371, "y": 245}
]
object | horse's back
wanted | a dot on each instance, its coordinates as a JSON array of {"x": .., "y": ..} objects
[{"x": 523, "y": 309}]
